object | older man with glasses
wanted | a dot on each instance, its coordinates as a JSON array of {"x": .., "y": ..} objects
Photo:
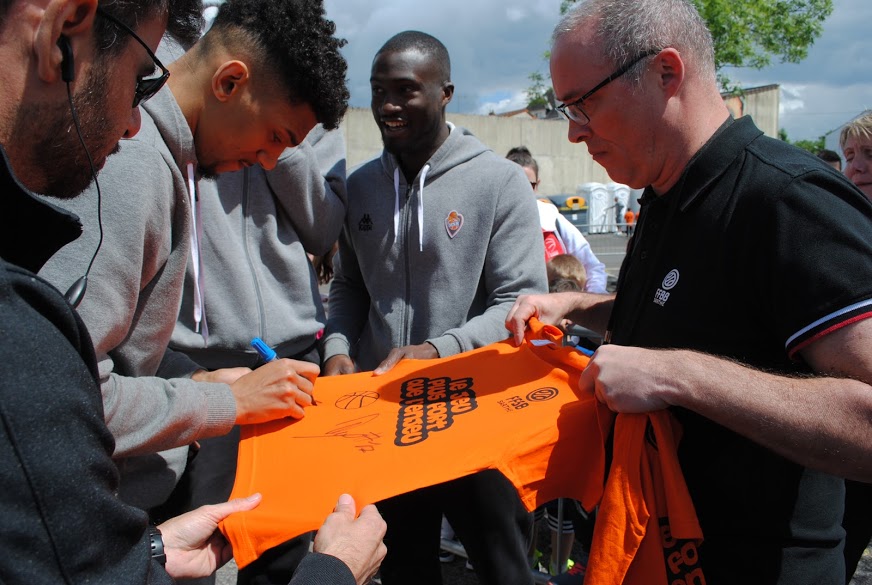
[{"x": 742, "y": 305}]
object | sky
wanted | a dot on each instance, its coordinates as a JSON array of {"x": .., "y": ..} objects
[{"x": 495, "y": 45}]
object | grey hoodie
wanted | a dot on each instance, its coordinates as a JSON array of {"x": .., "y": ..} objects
[
  {"x": 257, "y": 227},
  {"x": 132, "y": 301},
  {"x": 453, "y": 282}
]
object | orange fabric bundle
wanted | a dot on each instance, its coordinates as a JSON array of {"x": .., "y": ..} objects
[
  {"x": 646, "y": 529},
  {"x": 425, "y": 422}
]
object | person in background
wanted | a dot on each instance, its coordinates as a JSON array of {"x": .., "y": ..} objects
[
  {"x": 629, "y": 221},
  {"x": 74, "y": 77},
  {"x": 856, "y": 143},
  {"x": 771, "y": 384},
  {"x": 561, "y": 237},
  {"x": 439, "y": 240},
  {"x": 830, "y": 157}
]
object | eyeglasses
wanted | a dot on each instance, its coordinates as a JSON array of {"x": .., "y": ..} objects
[
  {"x": 574, "y": 111},
  {"x": 534, "y": 185},
  {"x": 145, "y": 88}
]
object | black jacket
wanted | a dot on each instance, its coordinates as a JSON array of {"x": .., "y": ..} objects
[{"x": 60, "y": 520}]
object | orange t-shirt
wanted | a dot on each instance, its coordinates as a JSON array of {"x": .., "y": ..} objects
[
  {"x": 515, "y": 409},
  {"x": 646, "y": 530},
  {"x": 424, "y": 422}
]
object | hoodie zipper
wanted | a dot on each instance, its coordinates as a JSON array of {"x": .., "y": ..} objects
[
  {"x": 406, "y": 322},
  {"x": 246, "y": 180}
]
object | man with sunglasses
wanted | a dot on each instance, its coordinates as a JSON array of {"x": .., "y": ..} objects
[
  {"x": 743, "y": 302},
  {"x": 69, "y": 82},
  {"x": 255, "y": 84},
  {"x": 62, "y": 521}
]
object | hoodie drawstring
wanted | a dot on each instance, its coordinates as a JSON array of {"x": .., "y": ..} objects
[
  {"x": 200, "y": 325},
  {"x": 396, "y": 203},
  {"x": 424, "y": 172},
  {"x": 421, "y": 208}
]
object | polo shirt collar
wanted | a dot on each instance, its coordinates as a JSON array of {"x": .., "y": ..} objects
[{"x": 711, "y": 161}]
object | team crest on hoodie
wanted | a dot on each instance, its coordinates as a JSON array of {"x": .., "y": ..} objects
[{"x": 453, "y": 223}]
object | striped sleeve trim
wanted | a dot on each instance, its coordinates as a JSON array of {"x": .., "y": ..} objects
[{"x": 826, "y": 325}]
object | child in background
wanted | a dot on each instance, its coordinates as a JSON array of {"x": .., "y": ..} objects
[{"x": 565, "y": 273}]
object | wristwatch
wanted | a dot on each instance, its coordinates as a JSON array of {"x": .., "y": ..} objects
[{"x": 157, "y": 545}]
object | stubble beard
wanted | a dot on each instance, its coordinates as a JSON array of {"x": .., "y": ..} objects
[{"x": 55, "y": 163}]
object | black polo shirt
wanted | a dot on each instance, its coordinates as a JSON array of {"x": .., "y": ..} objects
[{"x": 758, "y": 250}]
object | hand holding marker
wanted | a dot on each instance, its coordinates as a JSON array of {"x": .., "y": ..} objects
[{"x": 267, "y": 354}]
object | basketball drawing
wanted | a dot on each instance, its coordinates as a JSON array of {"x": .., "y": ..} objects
[{"x": 356, "y": 401}]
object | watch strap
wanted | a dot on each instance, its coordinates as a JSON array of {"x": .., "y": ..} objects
[{"x": 157, "y": 545}]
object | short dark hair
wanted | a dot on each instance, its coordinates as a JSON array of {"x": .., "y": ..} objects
[
  {"x": 829, "y": 156},
  {"x": 184, "y": 20},
  {"x": 294, "y": 39},
  {"x": 521, "y": 155},
  {"x": 430, "y": 46}
]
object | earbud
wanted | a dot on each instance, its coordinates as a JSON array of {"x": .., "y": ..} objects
[
  {"x": 68, "y": 74},
  {"x": 68, "y": 66}
]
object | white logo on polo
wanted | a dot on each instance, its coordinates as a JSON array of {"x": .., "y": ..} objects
[{"x": 669, "y": 282}]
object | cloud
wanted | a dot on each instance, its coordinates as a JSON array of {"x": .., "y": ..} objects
[
  {"x": 506, "y": 104},
  {"x": 791, "y": 98},
  {"x": 496, "y": 44},
  {"x": 515, "y": 14}
]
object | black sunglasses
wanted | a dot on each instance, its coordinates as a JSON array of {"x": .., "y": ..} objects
[
  {"x": 145, "y": 88},
  {"x": 576, "y": 113}
]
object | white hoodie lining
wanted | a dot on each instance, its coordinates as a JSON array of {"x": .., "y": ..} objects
[
  {"x": 423, "y": 178},
  {"x": 200, "y": 325}
]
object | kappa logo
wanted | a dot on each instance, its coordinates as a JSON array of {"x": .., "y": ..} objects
[
  {"x": 429, "y": 405},
  {"x": 669, "y": 282},
  {"x": 453, "y": 223},
  {"x": 365, "y": 223}
]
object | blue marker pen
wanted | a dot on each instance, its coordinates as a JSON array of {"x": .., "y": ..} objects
[
  {"x": 585, "y": 351},
  {"x": 265, "y": 351},
  {"x": 268, "y": 354}
]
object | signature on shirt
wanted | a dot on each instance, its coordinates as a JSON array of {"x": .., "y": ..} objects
[{"x": 366, "y": 441}]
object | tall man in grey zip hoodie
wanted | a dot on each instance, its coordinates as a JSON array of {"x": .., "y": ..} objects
[
  {"x": 255, "y": 84},
  {"x": 258, "y": 226},
  {"x": 441, "y": 236}
]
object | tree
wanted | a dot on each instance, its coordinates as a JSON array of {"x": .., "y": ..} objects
[
  {"x": 812, "y": 146},
  {"x": 536, "y": 97},
  {"x": 752, "y": 33}
]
